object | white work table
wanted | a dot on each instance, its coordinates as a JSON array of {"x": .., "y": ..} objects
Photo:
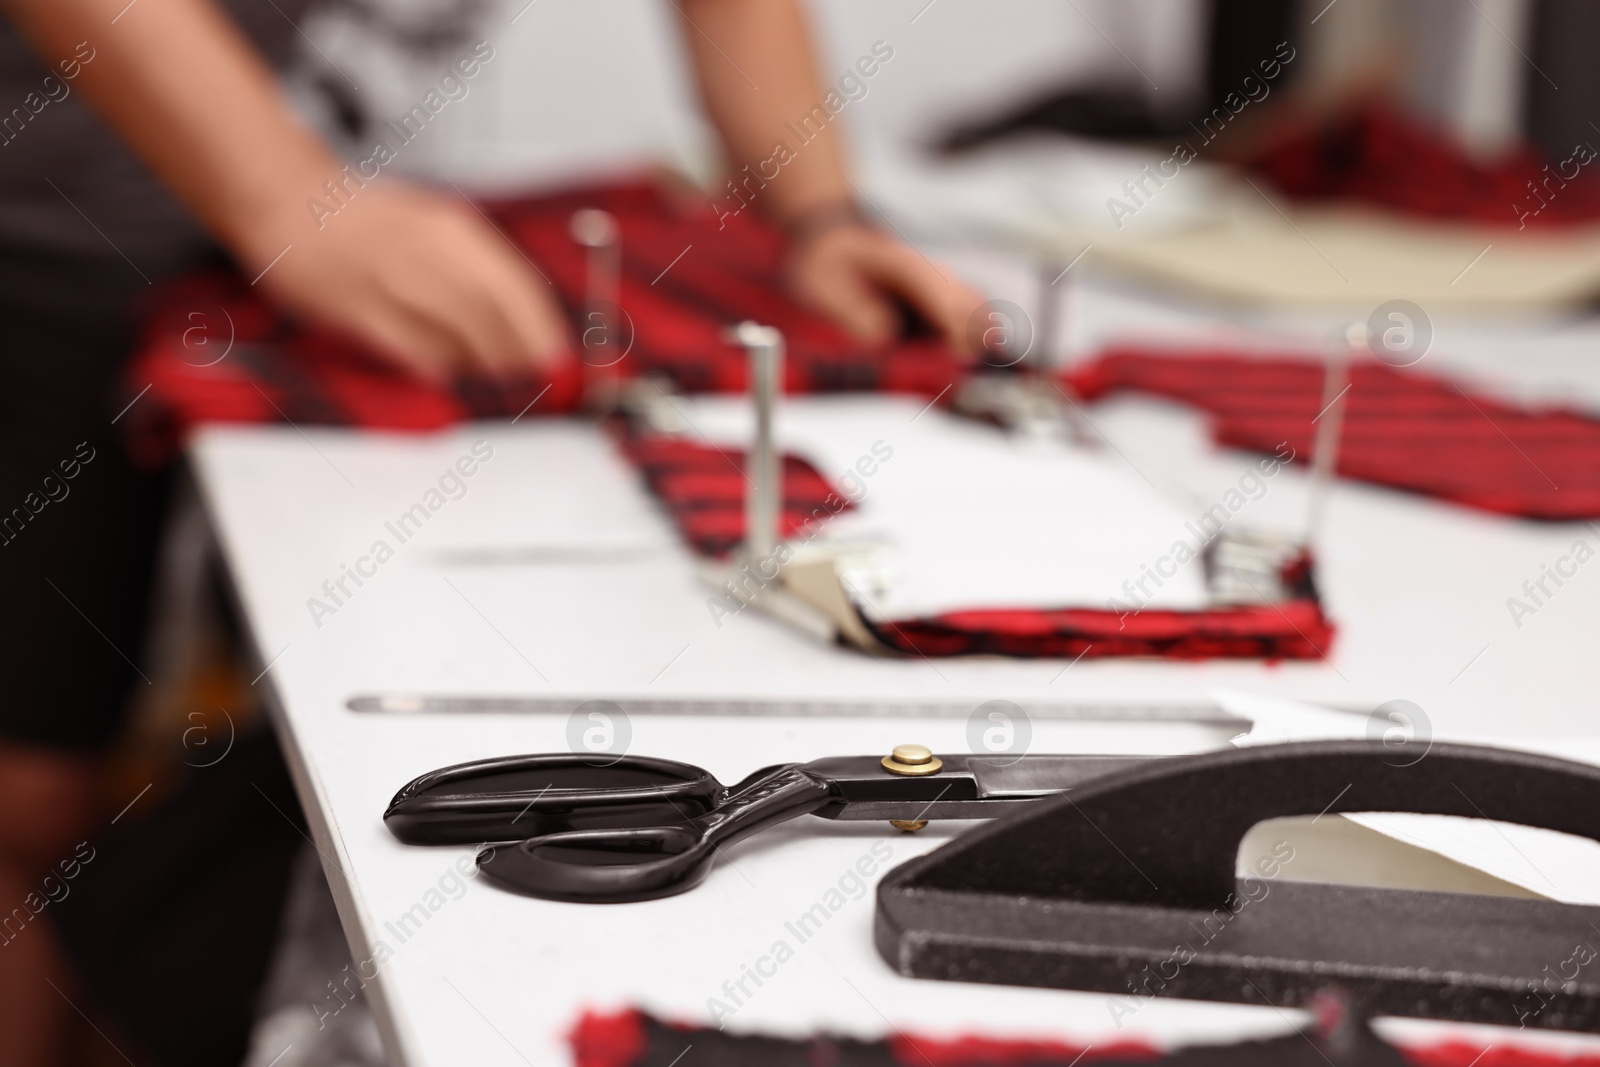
[{"x": 468, "y": 606}]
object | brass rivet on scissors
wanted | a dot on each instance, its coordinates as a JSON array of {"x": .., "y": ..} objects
[{"x": 911, "y": 760}]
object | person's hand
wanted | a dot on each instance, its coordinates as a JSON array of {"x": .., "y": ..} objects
[
  {"x": 422, "y": 278},
  {"x": 851, "y": 273}
]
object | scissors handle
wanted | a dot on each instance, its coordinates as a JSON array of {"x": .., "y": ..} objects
[
  {"x": 516, "y": 797},
  {"x": 614, "y": 866}
]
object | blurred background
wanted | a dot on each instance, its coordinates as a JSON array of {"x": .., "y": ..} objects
[{"x": 584, "y": 87}]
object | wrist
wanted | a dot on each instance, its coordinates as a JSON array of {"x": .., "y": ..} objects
[
  {"x": 805, "y": 226},
  {"x": 274, "y": 208}
]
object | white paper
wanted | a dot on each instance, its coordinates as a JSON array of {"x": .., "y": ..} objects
[
  {"x": 1554, "y": 865},
  {"x": 972, "y": 518}
]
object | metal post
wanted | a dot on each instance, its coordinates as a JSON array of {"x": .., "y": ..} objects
[
  {"x": 764, "y": 495},
  {"x": 1330, "y": 423},
  {"x": 598, "y": 232}
]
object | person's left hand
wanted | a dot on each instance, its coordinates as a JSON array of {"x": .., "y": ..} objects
[{"x": 851, "y": 272}]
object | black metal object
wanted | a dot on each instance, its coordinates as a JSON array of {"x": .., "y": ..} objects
[
  {"x": 1128, "y": 887},
  {"x": 617, "y": 829}
]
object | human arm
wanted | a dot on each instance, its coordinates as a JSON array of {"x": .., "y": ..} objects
[
  {"x": 757, "y": 70},
  {"x": 419, "y": 276}
]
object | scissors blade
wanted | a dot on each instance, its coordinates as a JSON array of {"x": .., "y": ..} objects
[
  {"x": 965, "y": 787},
  {"x": 1000, "y": 777}
]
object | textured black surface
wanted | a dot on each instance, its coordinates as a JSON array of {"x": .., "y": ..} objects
[{"x": 1127, "y": 886}]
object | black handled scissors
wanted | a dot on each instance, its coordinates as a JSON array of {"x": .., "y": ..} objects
[{"x": 637, "y": 828}]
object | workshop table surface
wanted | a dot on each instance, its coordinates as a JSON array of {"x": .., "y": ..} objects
[{"x": 552, "y": 577}]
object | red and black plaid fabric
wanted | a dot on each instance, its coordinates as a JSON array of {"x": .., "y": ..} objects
[
  {"x": 685, "y": 278},
  {"x": 703, "y": 489},
  {"x": 214, "y": 352},
  {"x": 1402, "y": 429},
  {"x": 1294, "y": 629},
  {"x": 635, "y": 1039},
  {"x": 1377, "y": 156}
]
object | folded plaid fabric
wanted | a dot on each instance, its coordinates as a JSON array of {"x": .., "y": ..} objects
[
  {"x": 635, "y": 1039},
  {"x": 1402, "y": 429},
  {"x": 213, "y": 351},
  {"x": 1377, "y": 156},
  {"x": 686, "y": 276}
]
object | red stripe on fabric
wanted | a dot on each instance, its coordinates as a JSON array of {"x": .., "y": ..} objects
[
  {"x": 602, "y": 1040},
  {"x": 975, "y": 1051},
  {"x": 1462, "y": 1054}
]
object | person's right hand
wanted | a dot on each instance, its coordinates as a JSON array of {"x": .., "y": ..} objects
[{"x": 422, "y": 278}]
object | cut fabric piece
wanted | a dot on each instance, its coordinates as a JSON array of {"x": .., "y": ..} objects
[
  {"x": 702, "y": 488},
  {"x": 1402, "y": 429},
  {"x": 1295, "y": 629},
  {"x": 1336, "y": 1038},
  {"x": 1378, "y": 156}
]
